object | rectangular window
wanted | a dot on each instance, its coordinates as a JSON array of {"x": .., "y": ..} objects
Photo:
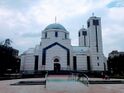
[
  {"x": 88, "y": 63},
  {"x": 56, "y": 34},
  {"x": 104, "y": 66},
  {"x": 75, "y": 62},
  {"x": 97, "y": 58},
  {"x": 95, "y": 22},
  {"x": 97, "y": 64},
  {"x": 84, "y": 33},
  {"x": 36, "y": 63}
]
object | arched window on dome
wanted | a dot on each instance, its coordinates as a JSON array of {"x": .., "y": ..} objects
[
  {"x": 56, "y": 34},
  {"x": 45, "y": 34},
  {"x": 65, "y": 35}
]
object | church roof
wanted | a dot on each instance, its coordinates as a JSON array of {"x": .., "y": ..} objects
[{"x": 55, "y": 26}]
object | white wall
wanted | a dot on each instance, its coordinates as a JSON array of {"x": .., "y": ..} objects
[
  {"x": 56, "y": 51},
  {"x": 27, "y": 62},
  {"x": 81, "y": 62}
]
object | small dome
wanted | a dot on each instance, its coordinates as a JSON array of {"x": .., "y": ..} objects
[
  {"x": 83, "y": 29},
  {"x": 55, "y": 26}
]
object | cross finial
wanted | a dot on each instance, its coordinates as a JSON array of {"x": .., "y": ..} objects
[
  {"x": 93, "y": 14},
  {"x": 55, "y": 19}
]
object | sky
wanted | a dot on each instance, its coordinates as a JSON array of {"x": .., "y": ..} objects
[{"x": 23, "y": 21}]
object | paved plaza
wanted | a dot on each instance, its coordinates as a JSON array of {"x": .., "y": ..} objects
[{"x": 58, "y": 87}]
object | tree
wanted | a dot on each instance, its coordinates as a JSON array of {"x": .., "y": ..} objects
[
  {"x": 8, "y": 42},
  {"x": 9, "y": 60},
  {"x": 116, "y": 63}
]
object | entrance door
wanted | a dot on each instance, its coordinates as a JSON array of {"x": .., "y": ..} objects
[{"x": 56, "y": 67}]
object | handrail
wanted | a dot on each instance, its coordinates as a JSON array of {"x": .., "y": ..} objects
[
  {"x": 84, "y": 81},
  {"x": 46, "y": 76},
  {"x": 87, "y": 79}
]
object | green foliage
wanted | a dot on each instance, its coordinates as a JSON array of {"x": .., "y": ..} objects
[
  {"x": 116, "y": 65},
  {"x": 8, "y": 42},
  {"x": 9, "y": 61}
]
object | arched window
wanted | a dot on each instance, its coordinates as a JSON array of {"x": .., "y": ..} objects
[
  {"x": 56, "y": 34},
  {"x": 45, "y": 34},
  {"x": 65, "y": 36},
  {"x": 56, "y": 60}
]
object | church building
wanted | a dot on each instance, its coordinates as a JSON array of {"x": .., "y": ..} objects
[{"x": 55, "y": 52}]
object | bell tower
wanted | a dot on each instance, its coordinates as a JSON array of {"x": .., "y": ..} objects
[
  {"x": 83, "y": 37},
  {"x": 95, "y": 42},
  {"x": 94, "y": 27}
]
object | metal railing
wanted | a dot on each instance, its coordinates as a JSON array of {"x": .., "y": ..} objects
[
  {"x": 46, "y": 76},
  {"x": 80, "y": 76},
  {"x": 83, "y": 78},
  {"x": 87, "y": 80}
]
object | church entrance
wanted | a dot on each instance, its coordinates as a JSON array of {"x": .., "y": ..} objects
[{"x": 57, "y": 65}]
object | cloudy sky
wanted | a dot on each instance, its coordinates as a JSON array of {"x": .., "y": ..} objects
[{"x": 23, "y": 20}]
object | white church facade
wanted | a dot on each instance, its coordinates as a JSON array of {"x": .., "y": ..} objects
[{"x": 55, "y": 52}]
